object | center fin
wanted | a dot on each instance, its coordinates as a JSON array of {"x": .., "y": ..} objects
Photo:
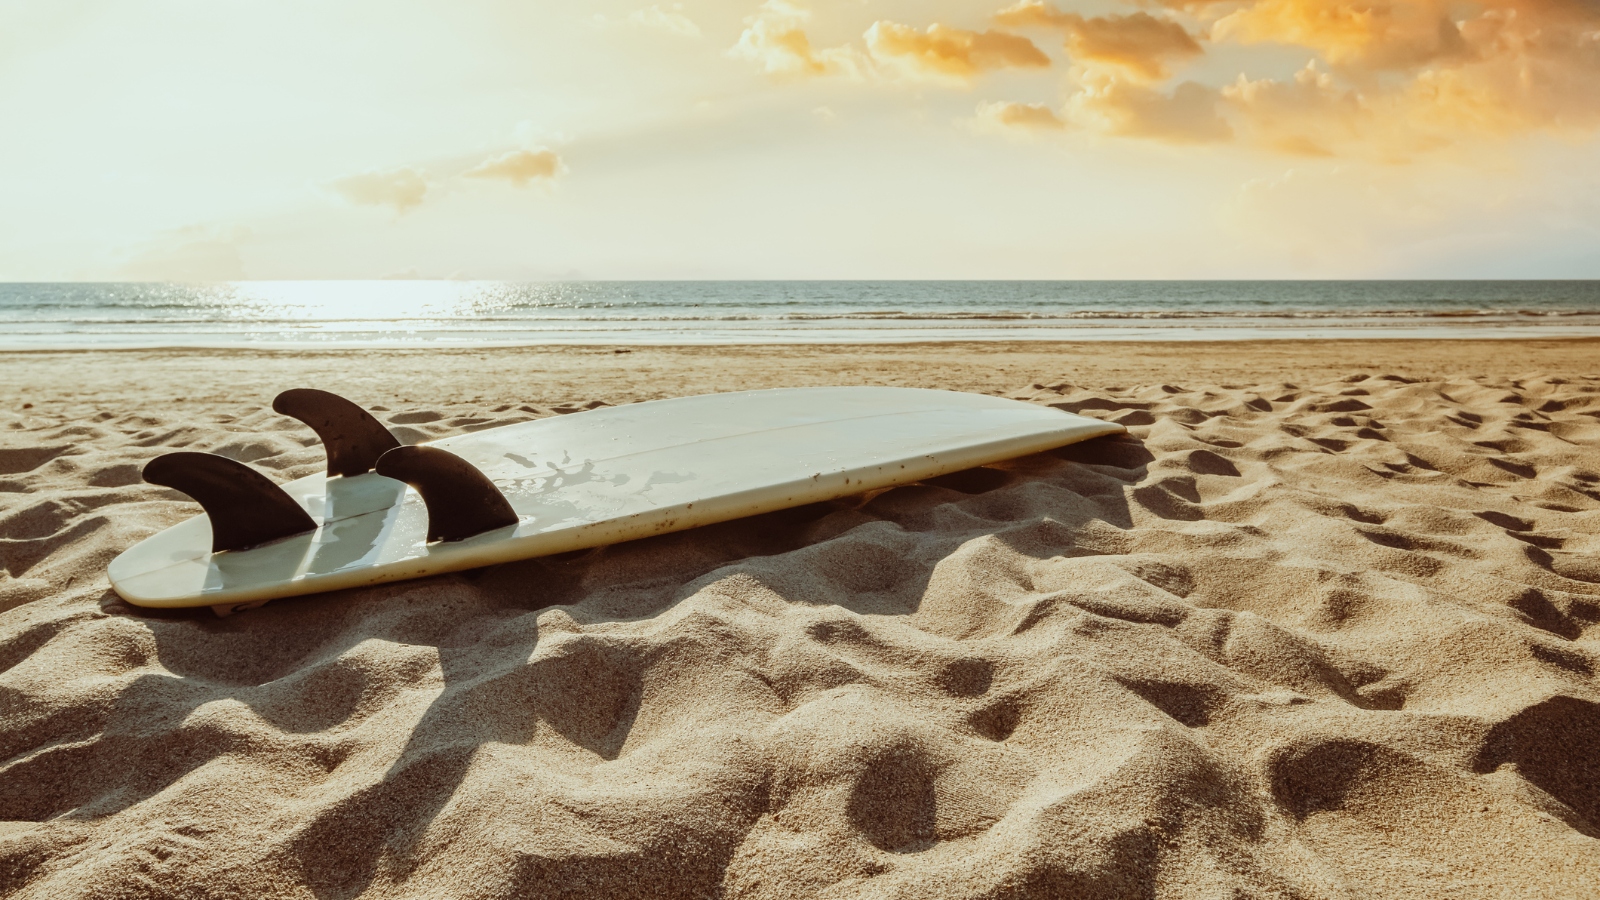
[{"x": 353, "y": 438}]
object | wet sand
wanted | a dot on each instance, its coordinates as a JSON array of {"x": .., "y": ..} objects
[{"x": 131, "y": 380}]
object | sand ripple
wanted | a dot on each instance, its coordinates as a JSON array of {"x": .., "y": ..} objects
[{"x": 1281, "y": 641}]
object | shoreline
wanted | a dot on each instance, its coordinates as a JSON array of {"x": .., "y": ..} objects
[
  {"x": 75, "y": 380},
  {"x": 396, "y": 314},
  {"x": 1173, "y": 334}
]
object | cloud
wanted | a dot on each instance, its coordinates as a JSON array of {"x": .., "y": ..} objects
[
  {"x": 1510, "y": 69},
  {"x": 1188, "y": 115},
  {"x": 1025, "y": 116},
  {"x": 1537, "y": 66},
  {"x": 1035, "y": 14},
  {"x": 1398, "y": 34},
  {"x": 403, "y": 189},
  {"x": 1446, "y": 71},
  {"x": 1308, "y": 116},
  {"x": 195, "y": 253},
  {"x": 519, "y": 167},
  {"x": 1141, "y": 45},
  {"x": 1387, "y": 79},
  {"x": 952, "y": 52},
  {"x": 775, "y": 39},
  {"x": 669, "y": 19}
]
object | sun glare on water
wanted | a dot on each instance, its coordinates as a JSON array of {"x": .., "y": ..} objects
[{"x": 358, "y": 300}]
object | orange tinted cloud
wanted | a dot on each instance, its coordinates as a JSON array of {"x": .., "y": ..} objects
[
  {"x": 1536, "y": 65},
  {"x": 1307, "y": 116},
  {"x": 1027, "y": 116},
  {"x": 403, "y": 189},
  {"x": 1188, "y": 115},
  {"x": 1502, "y": 68},
  {"x": 1387, "y": 78},
  {"x": 519, "y": 167},
  {"x": 1034, "y": 14},
  {"x": 1388, "y": 34},
  {"x": 1140, "y": 44},
  {"x": 942, "y": 50},
  {"x": 775, "y": 39}
]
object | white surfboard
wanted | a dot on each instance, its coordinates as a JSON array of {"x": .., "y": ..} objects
[{"x": 604, "y": 476}]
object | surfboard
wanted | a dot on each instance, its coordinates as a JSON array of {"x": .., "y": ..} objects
[{"x": 601, "y": 477}]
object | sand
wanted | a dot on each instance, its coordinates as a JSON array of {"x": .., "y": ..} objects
[{"x": 1325, "y": 624}]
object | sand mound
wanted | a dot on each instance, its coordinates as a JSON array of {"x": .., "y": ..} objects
[{"x": 1281, "y": 641}]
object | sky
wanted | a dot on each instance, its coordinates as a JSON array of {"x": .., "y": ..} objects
[{"x": 830, "y": 139}]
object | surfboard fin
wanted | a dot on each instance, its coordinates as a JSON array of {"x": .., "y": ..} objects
[
  {"x": 245, "y": 508},
  {"x": 462, "y": 501},
  {"x": 352, "y": 437}
]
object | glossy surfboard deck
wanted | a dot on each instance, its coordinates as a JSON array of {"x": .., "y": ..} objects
[{"x": 605, "y": 476}]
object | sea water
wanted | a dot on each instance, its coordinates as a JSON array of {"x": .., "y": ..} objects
[{"x": 448, "y": 313}]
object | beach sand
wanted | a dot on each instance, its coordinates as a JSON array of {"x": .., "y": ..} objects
[{"x": 1325, "y": 624}]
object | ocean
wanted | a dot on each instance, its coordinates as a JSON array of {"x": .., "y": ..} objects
[{"x": 477, "y": 313}]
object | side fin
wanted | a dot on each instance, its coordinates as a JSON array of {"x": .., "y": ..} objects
[
  {"x": 352, "y": 437},
  {"x": 246, "y": 509},
  {"x": 462, "y": 501}
]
